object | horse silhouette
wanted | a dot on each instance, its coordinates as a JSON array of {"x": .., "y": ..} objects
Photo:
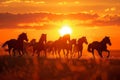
[
  {"x": 69, "y": 47},
  {"x": 49, "y": 46},
  {"x": 61, "y": 44},
  {"x": 26, "y": 46},
  {"x": 14, "y": 44},
  {"x": 79, "y": 45},
  {"x": 39, "y": 46},
  {"x": 99, "y": 46}
]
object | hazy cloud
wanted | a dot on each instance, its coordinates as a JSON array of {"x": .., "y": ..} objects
[
  {"x": 50, "y": 21},
  {"x": 110, "y": 9},
  {"x": 23, "y": 2}
]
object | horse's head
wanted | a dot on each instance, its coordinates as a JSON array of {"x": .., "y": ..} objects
[
  {"x": 107, "y": 40},
  {"x": 73, "y": 41},
  {"x": 66, "y": 37},
  {"x": 43, "y": 38},
  {"x": 23, "y": 36},
  {"x": 84, "y": 40},
  {"x": 33, "y": 41}
]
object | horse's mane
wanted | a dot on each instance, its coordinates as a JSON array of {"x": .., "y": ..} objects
[
  {"x": 42, "y": 38},
  {"x": 81, "y": 39},
  {"x": 105, "y": 38},
  {"x": 21, "y": 35}
]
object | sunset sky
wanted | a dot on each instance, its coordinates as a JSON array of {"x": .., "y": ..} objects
[{"x": 91, "y": 18}]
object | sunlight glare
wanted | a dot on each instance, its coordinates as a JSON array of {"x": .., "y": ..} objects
[{"x": 65, "y": 30}]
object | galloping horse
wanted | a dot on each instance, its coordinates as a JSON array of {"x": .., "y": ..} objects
[
  {"x": 40, "y": 46},
  {"x": 16, "y": 44},
  {"x": 99, "y": 46},
  {"x": 61, "y": 43},
  {"x": 70, "y": 46},
  {"x": 49, "y": 46},
  {"x": 79, "y": 45}
]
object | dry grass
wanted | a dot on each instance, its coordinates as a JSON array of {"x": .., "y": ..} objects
[{"x": 38, "y": 68}]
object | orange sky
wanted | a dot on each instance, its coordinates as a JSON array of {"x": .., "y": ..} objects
[
  {"x": 93, "y": 19},
  {"x": 60, "y": 6}
]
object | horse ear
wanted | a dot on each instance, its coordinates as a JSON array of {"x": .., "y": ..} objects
[
  {"x": 24, "y": 33},
  {"x": 107, "y": 36}
]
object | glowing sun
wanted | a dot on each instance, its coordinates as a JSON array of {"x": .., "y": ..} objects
[{"x": 65, "y": 30}]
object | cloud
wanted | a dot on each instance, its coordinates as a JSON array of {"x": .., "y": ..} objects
[
  {"x": 22, "y": 2},
  {"x": 107, "y": 20},
  {"x": 110, "y": 9},
  {"x": 57, "y": 6},
  {"x": 50, "y": 20}
]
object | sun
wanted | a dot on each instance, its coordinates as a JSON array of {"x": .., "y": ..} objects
[{"x": 66, "y": 29}]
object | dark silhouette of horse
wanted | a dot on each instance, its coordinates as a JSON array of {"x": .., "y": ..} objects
[
  {"x": 79, "y": 45},
  {"x": 61, "y": 44},
  {"x": 69, "y": 47},
  {"x": 16, "y": 45},
  {"x": 49, "y": 46},
  {"x": 39, "y": 46},
  {"x": 99, "y": 46}
]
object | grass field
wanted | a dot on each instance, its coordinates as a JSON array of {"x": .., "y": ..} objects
[{"x": 38, "y": 68}]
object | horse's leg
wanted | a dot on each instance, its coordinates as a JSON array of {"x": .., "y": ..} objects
[
  {"x": 64, "y": 52},
  {"x": 45, "y": 53},
  {"x": 9, "y": 51},
  {"x": 19, "y": 53},
  {"x": 38, "y": 52},
  {"x": 55, "y": 51},
  {"x": 67, "y": 53},
  {"x": 59, "y": 53},
  {"x": 100, "y": 53},
  {"x": 33, "y": 52},
  {"x": 71, "y": 53},
  {"x": 23, "y": 52},
  {"x": 13, "y": 52},
  {"x": 78, "y": 53},
  {"x": 93, "y": 53},
  {"x": 81, "y": 53},
  {"x": 108, "y": 53}
]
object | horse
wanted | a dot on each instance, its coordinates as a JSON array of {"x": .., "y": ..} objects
[
  {"x": 79, "y": 45},
  {"x": 61, "y": 44},
  {"x": 40, "y": 46},
  {"x": 49, "y": 46},
  {"x": 14, "y": 44},
  {"x": 69, "y": 47},
  {"x": 26, "y": 46},
  {"x": 100, "y": 46}
]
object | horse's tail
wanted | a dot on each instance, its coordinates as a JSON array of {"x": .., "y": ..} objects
[
  {"x": 89, "y": 48},
  {"x": 5, "y": 43}
]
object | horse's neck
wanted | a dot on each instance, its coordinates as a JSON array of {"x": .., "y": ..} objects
[
  {"x": 41, "y": 42},
  {"x": 103, "y": 42},
  {"x": 72, "y": 43},
  {"x": 20, "y": 40},
  {"x": 81, "y": 42},
  {"x": 63, "y": 41}
]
